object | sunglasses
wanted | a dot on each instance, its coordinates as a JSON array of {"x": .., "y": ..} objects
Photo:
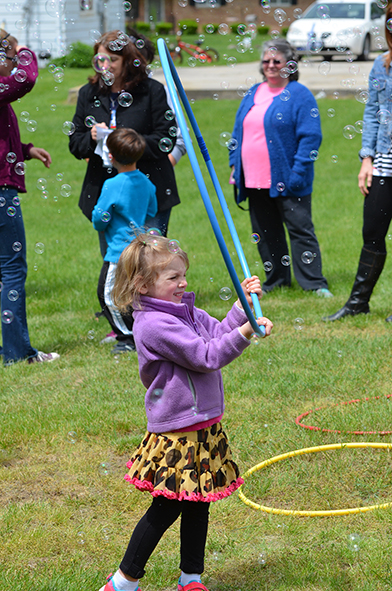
[{"x": 275, "y": 62}]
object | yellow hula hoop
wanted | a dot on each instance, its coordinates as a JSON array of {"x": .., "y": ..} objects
[{"x": 309, "y": 450}]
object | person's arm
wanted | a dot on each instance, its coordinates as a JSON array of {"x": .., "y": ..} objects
[
  {"x": 81, "y": 143},
  {"x": 369, "y": 134},
  {"x": 42, "y": 155},
  {"x": 16, "y": 89},
  {"x": 104, "y": 206},
  {"x": 308, "y": 137},
  {"x": 160, "y": 125}
]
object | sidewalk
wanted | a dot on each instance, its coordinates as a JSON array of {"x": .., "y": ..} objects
[{"x": 231, "y": 82}]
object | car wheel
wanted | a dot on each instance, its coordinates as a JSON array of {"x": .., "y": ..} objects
[{"x": 365, "y": 50}]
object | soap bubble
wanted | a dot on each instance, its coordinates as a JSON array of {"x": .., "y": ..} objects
[
  {"x": 297, "y": 12},
  {"x": 12, "y": 295},
  {"x": 65, "y": 190},
  {"x": 255, "y": 339},
  {"x": 39, "y": 248},
  {"x": 280, "y": 15},
  {"x": 224, "y": 29},
  {"x": 314, "y": 155},
  {"x": 101, "y": 62},
  {"x": 157, "y": 394},
  {"x": 224, "y": 138},
  {"x": 331, "y": 112},
  {"x": 358, "y": 126},
  {"x": 17, "y": 246},
  {"x": 334, "y": 158},
  {"x": 20, "y": 168},
  {"x": 94, "y": 35},
  {"x": 314, "y": 113},
  {"x": 20, "y": 75},
  {"x": 262, "y": 559},
  {"x": 104, "y": 468},
  {"x": 7, "y": 316},
  {"x": 16, "y": 200},
  {"x": 173, "y": 131},
  {"x": 11, "y": 157},
  {"x": 41, "y": 184},
  {"x": 192, "y": 62},
  {"x": 25, "y": 57},
  {"x": 24, "y": 116},
  {"x": 140, "y": 43},
  {"x": 154, "y": 232},
  {"x": 285, "y": 95},
  {"x": 231, "y": 61},
  {"x": 268, "y": 266},
  {"x": 108, "y": 78},
  {"x": 72, "y": 436},
  {"x": 232, "y": 144},
  {"x": 90, "y": 121},
  {"x": 125, "y": 99},
  {"x": 53, "y": 107},
  {"x": 225, "y": 293},
  {"x": 383, "y": 116},
  {"x": 324, "y": 68},
  {"x": 91, "y": 335},
  {"x": 165, "y": 144},
  {"x": 307, "y": 257},
  {"x": 353, "y": 542},
  {"x": 58, "y": 75},
  {"x": 59, "y": 176},
  {"x": 127, "y": 6},
  {"x": 388, "y": 25},
  {"x": 285, "y": 260},
  {"x": 11, "y": 211},
  {"x": 31, "y": 125},
  {"x": 169, "y": 115},
  {"x": 106, "y": 217},
  {"x": 299, "y": 323},
  {"x": 97, "y": 103},
  {"x": 68, "y": 128},
  {"x": 280, "y": 187},
  {"x": 255, "y": 238},
  {"x": 2, "y": 201},
  {"x": 173, "y": 246},
  {"x": 349, "y": 132}
]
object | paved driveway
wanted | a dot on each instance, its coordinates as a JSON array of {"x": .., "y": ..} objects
[{"x": 230, "y": 82}]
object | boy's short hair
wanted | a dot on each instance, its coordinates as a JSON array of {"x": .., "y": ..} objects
[{"x": 126, "y": 145}]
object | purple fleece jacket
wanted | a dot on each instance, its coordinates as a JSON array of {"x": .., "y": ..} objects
[
  {"x": 181, "y": 350},
  {"x": 10, "y": 91}
]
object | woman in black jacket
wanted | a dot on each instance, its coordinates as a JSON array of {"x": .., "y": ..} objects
[{"x": 121, "y": 79}]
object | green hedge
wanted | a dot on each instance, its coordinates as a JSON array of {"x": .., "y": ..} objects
[
  {"x": 263, "y": 29},
  {"x": 78, "y": 56},
  {"x": 163, "y": 28},
  {"x": 142, "y": 27},
  {"x": 188, "y": 26}
]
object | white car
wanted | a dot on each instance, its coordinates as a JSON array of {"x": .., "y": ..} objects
[{"x": 337, "y": 27}]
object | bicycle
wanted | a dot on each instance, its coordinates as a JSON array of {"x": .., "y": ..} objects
[{"x": 205, "y": 55}]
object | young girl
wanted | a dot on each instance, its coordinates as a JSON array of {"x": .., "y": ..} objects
[{"x": 184, "y": 460}]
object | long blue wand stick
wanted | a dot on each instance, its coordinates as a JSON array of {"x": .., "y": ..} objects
[{"x": 173, "y": 81}]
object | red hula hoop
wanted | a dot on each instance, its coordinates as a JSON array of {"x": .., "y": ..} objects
[{"x": 323, "y": 430}]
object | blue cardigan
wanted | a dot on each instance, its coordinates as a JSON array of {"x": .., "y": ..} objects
[{"x": 293, "y": 131}]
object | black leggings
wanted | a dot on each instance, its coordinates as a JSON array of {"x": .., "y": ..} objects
[
  {"x": 377, "y": 214},
  {"x": 160, "y": 516}
]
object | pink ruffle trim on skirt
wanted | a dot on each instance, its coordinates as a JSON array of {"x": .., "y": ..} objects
[{"x": 184, "y": 496}]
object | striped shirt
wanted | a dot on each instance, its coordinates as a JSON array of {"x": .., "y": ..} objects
[{"x": 382, "y": 164}]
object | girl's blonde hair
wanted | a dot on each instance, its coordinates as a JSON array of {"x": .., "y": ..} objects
[{"x": 140, "y": 264}]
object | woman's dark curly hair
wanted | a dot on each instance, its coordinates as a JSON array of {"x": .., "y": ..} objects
[{"x": 133, "y": 74}]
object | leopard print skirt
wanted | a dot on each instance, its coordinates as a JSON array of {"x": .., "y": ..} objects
[{"x": 193, "y": 466}]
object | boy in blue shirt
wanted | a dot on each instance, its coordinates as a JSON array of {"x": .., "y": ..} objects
[{"x": 125, "y": 203}]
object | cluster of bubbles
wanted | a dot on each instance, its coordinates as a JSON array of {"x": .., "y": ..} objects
[
  {"x": 227, "y": 141},
  {"x": 31, "y": 124}
]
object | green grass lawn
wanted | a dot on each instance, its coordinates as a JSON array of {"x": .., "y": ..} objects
[{"x": 68, "y": 428}]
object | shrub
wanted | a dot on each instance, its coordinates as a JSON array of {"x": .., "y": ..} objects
[
  {"x": 263, "y": 29},
  {"x": 211, "y": 28},
  {"x": 284, "y": 31},
  {"x": 78, "y": 56},
  {"x": 188, "y": 26},
  {"x": 163, "y": 28},
  {"x": 142, "y": 27}
]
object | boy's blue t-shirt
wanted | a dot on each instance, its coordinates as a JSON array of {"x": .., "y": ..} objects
[{"x": 126, "y": 201}]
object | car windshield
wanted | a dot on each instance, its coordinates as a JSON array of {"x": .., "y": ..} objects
[{"x": 336, "y": 11}]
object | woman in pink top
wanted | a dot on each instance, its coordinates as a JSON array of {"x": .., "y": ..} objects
[{"x": 277, "y": 135}]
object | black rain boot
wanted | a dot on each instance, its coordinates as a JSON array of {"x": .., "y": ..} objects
[{"x": 369, "y": 270}]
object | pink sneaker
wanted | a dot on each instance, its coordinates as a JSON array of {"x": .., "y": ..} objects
[
  {"x": 192, "y": 586},
  {"x": 110, "y": 585},
  {"x": 43, "y": 357},
  {"x": 110, "y": 338}
]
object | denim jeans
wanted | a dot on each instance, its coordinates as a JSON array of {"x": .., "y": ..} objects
[{"x": 13, "y": 271}]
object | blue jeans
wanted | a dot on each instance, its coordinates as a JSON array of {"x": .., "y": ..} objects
[{"x": 13, "y": 271}]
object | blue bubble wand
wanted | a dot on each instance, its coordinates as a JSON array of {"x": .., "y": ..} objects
[{"x": 173, "y": 81}]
